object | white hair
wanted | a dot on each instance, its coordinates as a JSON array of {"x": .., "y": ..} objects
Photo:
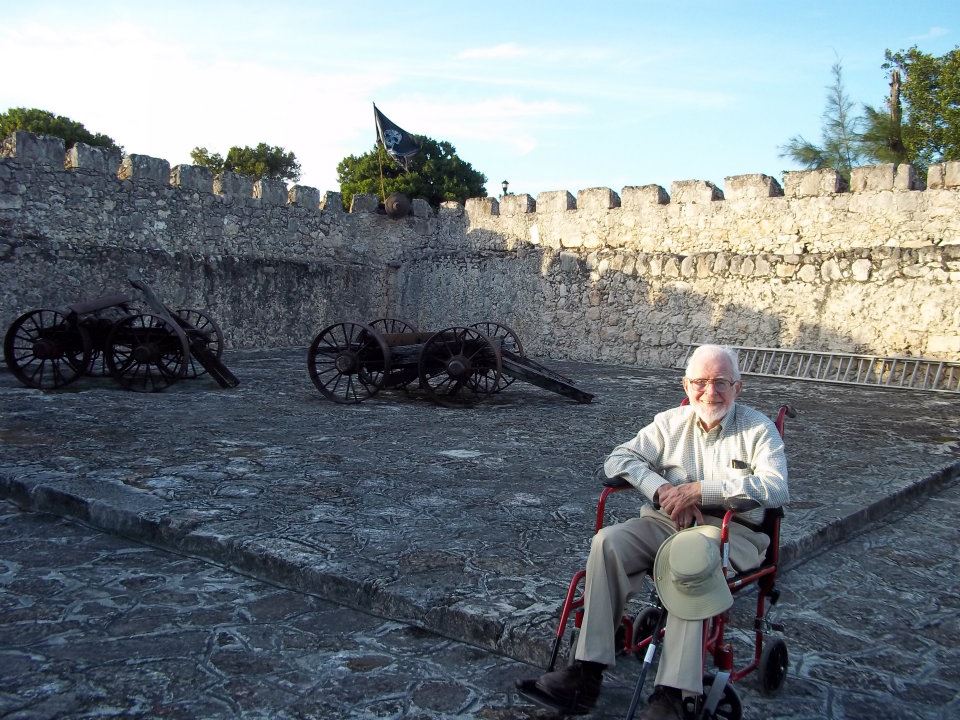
[{"x": 705, "y": 352}]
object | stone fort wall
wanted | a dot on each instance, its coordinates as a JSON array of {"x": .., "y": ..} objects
[{"x": 602, "y": 276}]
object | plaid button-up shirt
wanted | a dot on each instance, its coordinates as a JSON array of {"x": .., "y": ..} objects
[{"x": 741, "y": 458}]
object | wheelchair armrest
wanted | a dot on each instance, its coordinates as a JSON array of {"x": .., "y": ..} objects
[{"x": 615, "y": 482}]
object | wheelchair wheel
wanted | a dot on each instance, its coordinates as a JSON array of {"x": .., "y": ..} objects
[
  {"x": 774, "y": 661},
  {"x": 729, "y": 707},
  {"x": 644, "y": 625}
]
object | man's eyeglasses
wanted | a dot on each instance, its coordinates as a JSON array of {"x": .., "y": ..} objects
[{"x": 721, "y": 385}]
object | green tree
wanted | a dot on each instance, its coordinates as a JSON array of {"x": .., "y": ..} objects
[
  {"x": 882, "y": 138},
  {"x": 262, "y": 161},
  {"x": 840, "y": 139},
  {"x": 930, "y": 126},
  {"x": 436, "y": 174},
  {"x": 44, "y": 122}
]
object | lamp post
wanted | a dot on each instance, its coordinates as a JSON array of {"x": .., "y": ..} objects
[{"x": 504, "y": 185}]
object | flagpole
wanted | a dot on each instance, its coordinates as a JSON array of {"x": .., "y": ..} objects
[{"x": 383, "y": 192}]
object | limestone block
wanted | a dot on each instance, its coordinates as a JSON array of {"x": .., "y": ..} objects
[
  {"x": 761, "y": 266},
  {"x": 364, "y": 203},
  {"x": 704, "y": 264},
  {"x": 304, "y": 196},
  {"x": 231, "y": 184},
  {"x": 143, "y": 168},
  {"x": 871, "y": 178},
  {"x": 569, "y": 262},
  {"x": 635, "y": 196},
  {"x": 671, "y": 268},
  {"x": 906, "y": 178},
  {"x": 271, "y": 191},
  {"x": 96, "y": 159},
  {"x": 482, "y": 206},
  {"x": 830, "y": 270},
  {"x": 451, "y": 208},
  {"x": 808, "y": 273},
  {"x": 951, "y": 174},
  {"x": 861, "y": 269},
  {"x": 750, "y": 187},
  {"x": 192, "y": 177},
  {"x": 522, "y": 204},
  {"x": 809, "y": 183},
  {"x": 331, "y": 202},
  {"x": 555, "y": 201},
  {"x": 694, "y": 191},
  {"x": 35, "y": 149},
  {"x": 688, "y": 266},
  {"x": 597, "y": 199},
  {"x": 786, "y": 270},
  {"x": 936, "y": 176},
  {"x": 421, "y": 208}
]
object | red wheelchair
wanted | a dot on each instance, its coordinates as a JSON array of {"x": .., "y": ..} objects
[{"x": 640, "y": 634}]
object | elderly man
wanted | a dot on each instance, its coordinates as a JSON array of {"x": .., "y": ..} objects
[{"x": 710, "y": 454}]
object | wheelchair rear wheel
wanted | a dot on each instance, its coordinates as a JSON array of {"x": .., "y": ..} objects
[{"x": 774, "y": 661}]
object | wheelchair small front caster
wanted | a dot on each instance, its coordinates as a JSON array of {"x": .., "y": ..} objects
[
  {"x": 729, "y": 706},
  {"x": 774, "y": 661}
]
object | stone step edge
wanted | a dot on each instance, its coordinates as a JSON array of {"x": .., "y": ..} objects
[{"x": 262, "y": 564}]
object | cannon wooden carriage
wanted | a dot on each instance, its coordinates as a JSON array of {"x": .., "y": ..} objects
[
  {"x": 350, "y": 362},
  {"x": 144, "y": 351}
]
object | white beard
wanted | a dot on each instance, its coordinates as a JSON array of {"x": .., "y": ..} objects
[{"x": 710, "y": 414}]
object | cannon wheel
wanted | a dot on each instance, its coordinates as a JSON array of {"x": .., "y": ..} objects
[
  {"x": 458, "y": 358},
  {"x": 144, "y": 354},
  {"x": 200, "y": 324},
  {"x": 508, "y": 340},
  {"x": 389, "y": 325},
  {"x": 45, "y": 351},
  {"x": 348, "y": 362}
]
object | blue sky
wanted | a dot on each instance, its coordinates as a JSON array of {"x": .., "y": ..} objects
[{"x": 548, "y": 95}]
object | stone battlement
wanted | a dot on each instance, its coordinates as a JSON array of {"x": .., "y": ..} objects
[{"x": 619, "y": 277}]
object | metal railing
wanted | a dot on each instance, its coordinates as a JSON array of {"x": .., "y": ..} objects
[{"x": 912, "y": 373}]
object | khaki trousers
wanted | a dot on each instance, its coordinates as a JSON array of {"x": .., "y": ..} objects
[{"x": 621, "y": 556}]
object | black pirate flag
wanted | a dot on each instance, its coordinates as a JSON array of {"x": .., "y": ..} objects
[{"x": 399, "y": 144}]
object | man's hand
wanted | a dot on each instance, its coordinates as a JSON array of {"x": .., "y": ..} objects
[{"x": 681, "y": 503}]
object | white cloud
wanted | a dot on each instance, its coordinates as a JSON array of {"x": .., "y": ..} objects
[
  {"x": 503, "y": 51},
  {"x": 157, "y": 97},
  {"x": 934, "y": 32}
]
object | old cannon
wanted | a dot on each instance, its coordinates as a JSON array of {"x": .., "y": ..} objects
[
  {"x": 352, "y": 361},
  {"x": 142, "y": 351}
]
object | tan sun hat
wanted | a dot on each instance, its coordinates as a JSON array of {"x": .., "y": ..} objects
[{"x": 689, "y": 576}]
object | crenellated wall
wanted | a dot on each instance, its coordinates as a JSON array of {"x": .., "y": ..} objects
[{"x": 601, "y": 276}]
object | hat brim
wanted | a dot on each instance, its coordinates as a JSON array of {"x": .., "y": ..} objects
[{"x": 712, "y": 596}]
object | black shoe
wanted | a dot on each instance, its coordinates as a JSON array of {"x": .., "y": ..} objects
[
  {"x": 666, "y": 703},
  {"x": 573, "y": 689}
]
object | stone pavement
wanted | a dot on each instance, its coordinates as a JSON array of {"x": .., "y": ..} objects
[
  {"x": 464, "y": 522},
  {"x": 94, "y": 626}
]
